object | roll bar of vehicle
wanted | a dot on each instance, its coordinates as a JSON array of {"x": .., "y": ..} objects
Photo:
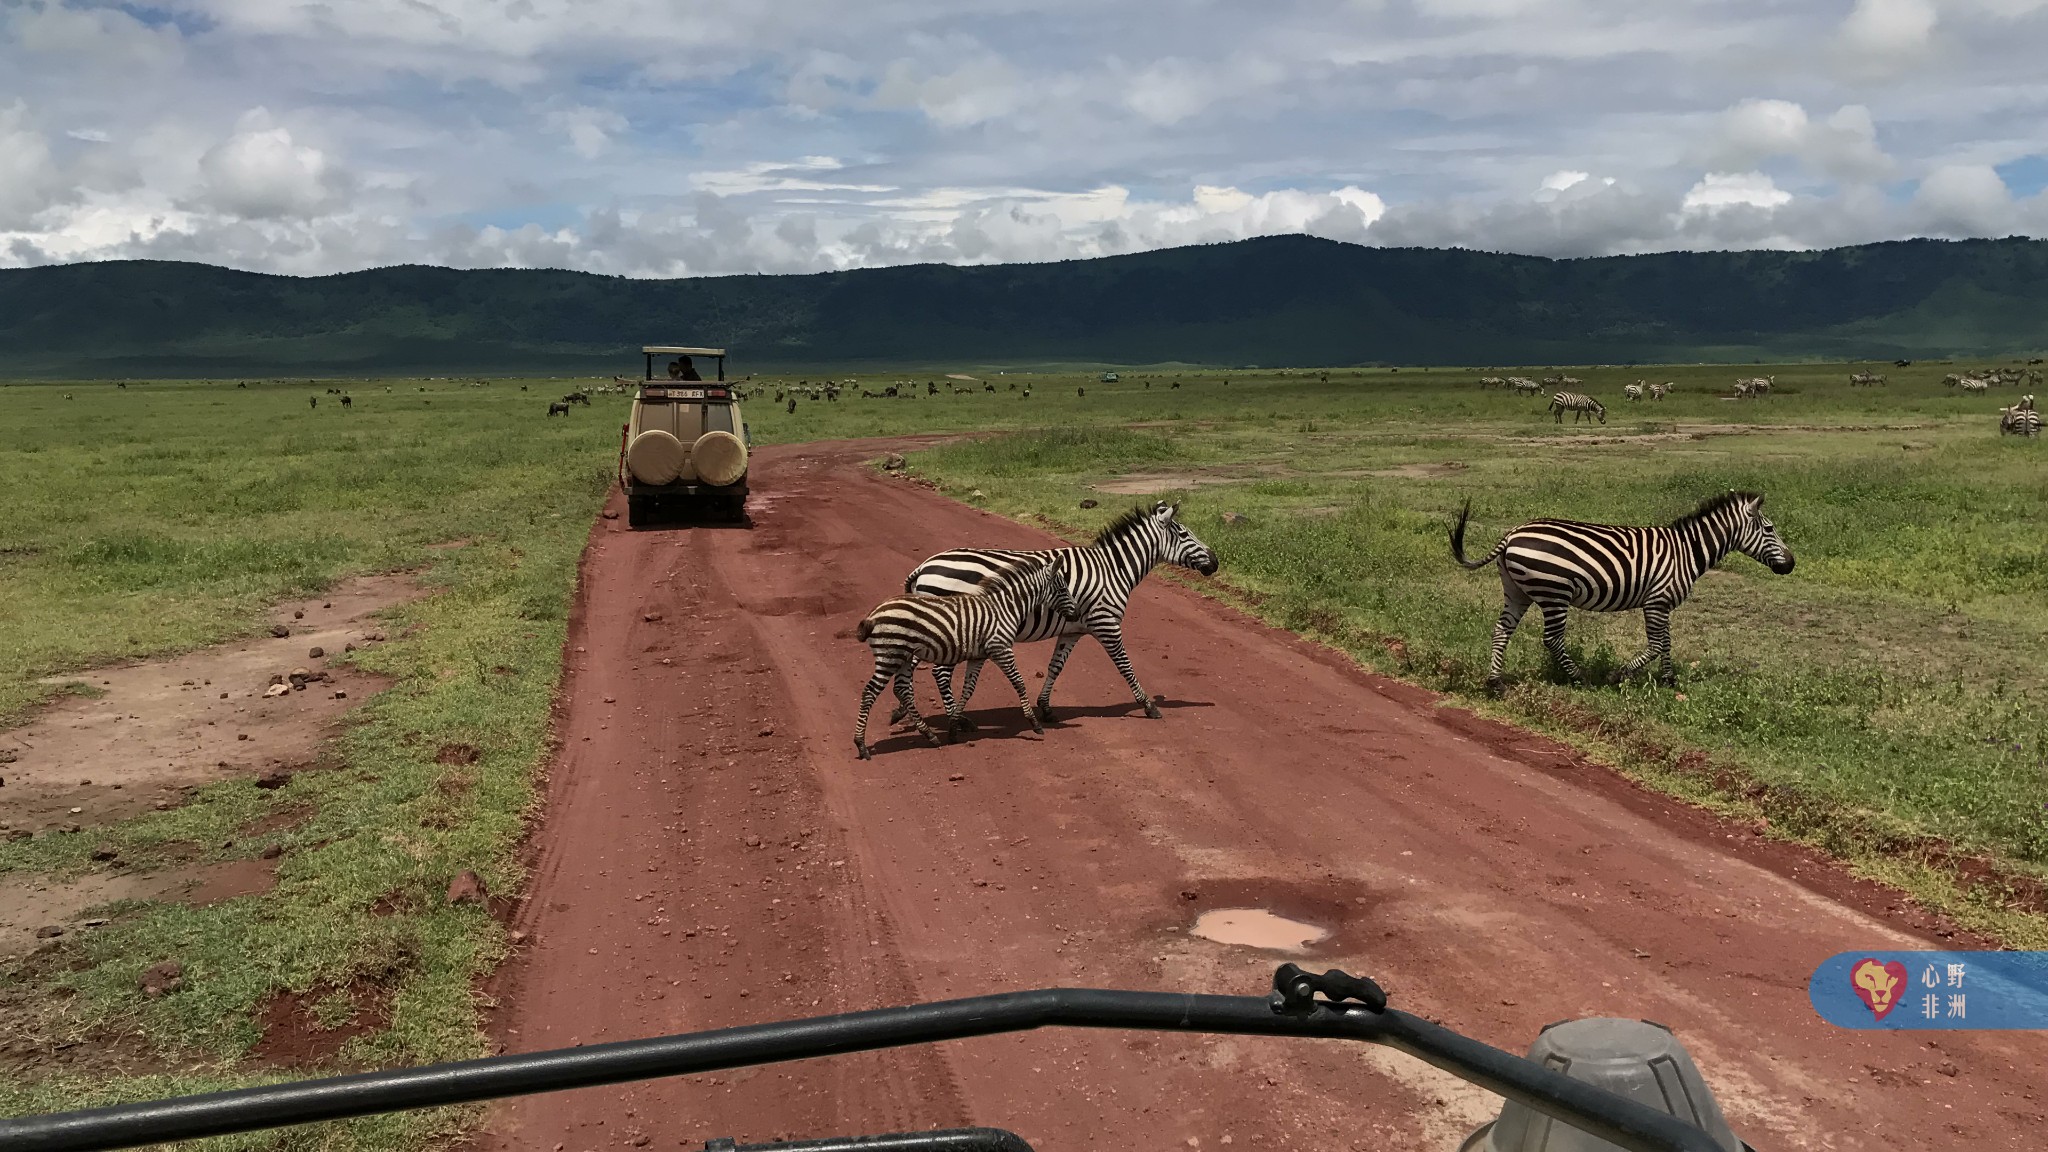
[
  {"x": 1333, "y": 1006},
  {"x": 652, "y": 350}
]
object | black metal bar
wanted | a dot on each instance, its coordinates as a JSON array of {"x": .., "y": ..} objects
[
  {"x": 1606, "y": 1115},
  {"x": 945, "y": 1140}
]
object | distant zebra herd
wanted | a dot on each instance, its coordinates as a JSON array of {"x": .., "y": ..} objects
[{"x": 971, "y": 605}]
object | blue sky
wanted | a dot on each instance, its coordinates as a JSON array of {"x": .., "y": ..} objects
[{"x": 661, "y": 138}]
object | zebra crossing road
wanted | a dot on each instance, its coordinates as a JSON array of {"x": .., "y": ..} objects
[{"x": 711, "y": 854}]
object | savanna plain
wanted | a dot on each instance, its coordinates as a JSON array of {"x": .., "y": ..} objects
[{"x": 1883, "y": 702}]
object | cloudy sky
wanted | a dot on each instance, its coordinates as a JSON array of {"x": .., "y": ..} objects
[{"x": 691, "y": 137}]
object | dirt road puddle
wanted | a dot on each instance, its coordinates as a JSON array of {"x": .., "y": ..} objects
[{"x": 1257, "y": 928}]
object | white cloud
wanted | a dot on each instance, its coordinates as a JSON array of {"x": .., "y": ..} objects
[
  {"x": 1842, "y": 147},
  {"x": 1889, "y": 30},
  {"x": 1720, "y": 190},
  {"x": 1964, "y": 200},
  {"x": 650, "y": 138},
  {"x": 260, "y": 173}
]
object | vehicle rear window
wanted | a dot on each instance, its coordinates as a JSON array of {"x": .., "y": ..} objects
[{"x": 717, "y": 417}]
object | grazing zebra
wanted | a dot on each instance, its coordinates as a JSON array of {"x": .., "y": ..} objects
[
  {"x": 1866, "y": 378},
  {"x": 1633, "y": 391},
  {"x": 1562, "y": 564},
  {"x": 945, "y": 630},
  {"x": 1659, "y": 391},
  {"x": 1970, "y": 384},
  {"x": 1570, "y": 381},
  {"x": 1102, "y": 576},
  {"x": 1525, "y": 385},
  {"x": 1486, "y": 382},
  {"x": 1578, "y": 404}
]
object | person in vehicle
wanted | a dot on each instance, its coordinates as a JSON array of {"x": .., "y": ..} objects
[{"x": 688, "y": 370}]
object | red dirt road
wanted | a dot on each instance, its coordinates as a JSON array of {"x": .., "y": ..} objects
[{"x": 713, "y": 855}]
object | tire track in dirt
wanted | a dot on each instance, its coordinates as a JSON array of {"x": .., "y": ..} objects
[{"x": 693, "y": 872}]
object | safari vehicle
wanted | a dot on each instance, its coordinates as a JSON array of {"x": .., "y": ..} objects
[
  {"x": 684, "y": 447},
  {"x": 1587, "y": 1085}
]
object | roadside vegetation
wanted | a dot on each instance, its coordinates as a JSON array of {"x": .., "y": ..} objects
[
  {"x": 160, "y": 518},
  {"x": 1886, "y": 701}
]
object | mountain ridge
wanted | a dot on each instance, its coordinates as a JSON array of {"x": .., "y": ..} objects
[{"x": 1273, "y": 300}]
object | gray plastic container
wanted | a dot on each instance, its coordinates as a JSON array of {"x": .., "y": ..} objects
[{"x": 1633, "y": 1058}]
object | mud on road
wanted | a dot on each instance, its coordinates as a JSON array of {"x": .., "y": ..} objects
[{"x": 712, "y": 855}]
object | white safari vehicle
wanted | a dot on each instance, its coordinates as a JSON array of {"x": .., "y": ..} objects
[{"x": 685, "y": 446}]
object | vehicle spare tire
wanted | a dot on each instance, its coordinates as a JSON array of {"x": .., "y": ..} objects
[
  {"x": 656, "y": 457},
  {"x": 719, "y": 457}
]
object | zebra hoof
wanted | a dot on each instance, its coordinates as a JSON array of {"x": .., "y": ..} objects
[
  {"x": 1495, "y": 685},
  {"x": 938, "y": 741},
  {"x": 964, "y": 725},
  {"x": 861, "y": 750},
  {"x": 1152, "y": 709},
  {"x": 899, "y": 715},
  {"x": 1045, "y": 714},
  {"x": 1038, "y": 728}
]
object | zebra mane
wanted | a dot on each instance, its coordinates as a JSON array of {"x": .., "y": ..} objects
[
  {"x": 1014, "y": 579},
  {"x": 1124, "y": 524},
  {"x": 1714, "y": 504}
]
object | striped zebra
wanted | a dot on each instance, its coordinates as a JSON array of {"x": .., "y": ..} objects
[
  {"x": 1102, "y": 576},
  {"x": 944, "y": 630},
  {"x": 1971, "y": 384},
  {"x": 1578, "y": 404},
  {"x": 2018, "y": 421},
  {"x": 1562, "y": 564},
  {"x": 1523, "y": 384},
  {"x": 1633, "y": 391},
  {"x": 1659, "y": 391},
  {"x": 1486, "y": 382}
]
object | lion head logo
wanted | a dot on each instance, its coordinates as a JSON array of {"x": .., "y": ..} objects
[{"x": 1877, "y": 984}]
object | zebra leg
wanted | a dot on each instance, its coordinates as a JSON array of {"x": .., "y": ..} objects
[
  {"x": 1060, "y": 652},
  {"x": 1554, "y": 616},
  {"x": 955, "y": 722},
  {"x": 905, "y": 693},
  {"x": 1504, "y": 630},
  {"x": 1112, "y": 639},
  {"x": 1656, "y": 624},
  {"x": 960, "y": 721},
  {"x": 1007, "y": 661},
  {"x": 873, "y": 689}
]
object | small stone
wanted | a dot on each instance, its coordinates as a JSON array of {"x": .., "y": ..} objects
[
  {"x": 1948, "y": 1068},
  {"x": 162, "y": 979},
  {"x": 1190, "y": 894},
  {"x": 49, "y": 932},
  {"x": 223, "y": 695},
  {"x": 766, "y": 731},
  {"x": 640, "y": 1141},
  {"x": 957, "y": 776},
  {"x": 273, "y": 691},
  {"x": 328, "y": 604},
  {"x": 466, "y": 888},
  {"x": 98, "y": 922},
  {"x": 609, "y": 514},
  {"x": 280, "y": 631},
  {"x": 19, "y": 834},
  {"x": 650, "y": 617},
  {"x": 104, "y": 852},
  {"x": 349, "y": 647},
  {"x": 300, "y": 673},
  {"x": 1088, "y": 503},
  {"x": 8, "y": 755},
  {"x": 315, "y": 652},
  {"x": 272, "y": 852},
  {"x": 245, "y": 735},
  {"x": 752, "y": 841},
  {"x": 517, "y": 937},
  {"x": 1233, "y": 518},
  {"x": 162, "y": 805},
  {"x": 298, "y": 614},
  {"x": 273, "y": 779},
  {"x": 341, "y": 694}
]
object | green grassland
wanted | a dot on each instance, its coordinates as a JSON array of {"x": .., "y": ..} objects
[
  {"x": 164, "y": 517},
  {"x": 1884, "y": 701}
]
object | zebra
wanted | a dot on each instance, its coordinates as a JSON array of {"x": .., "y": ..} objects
[
  {"x": 2019, "y": 421},
  {"x": 1633, "y": 391},
  {"x": 1562, "y": 564},
  {"x": 1486, "y": 382},
  {"x": 1102, "y": 576},
  {"x": 1970, "y": 384},
  {"x": 1871, "y": 379},
  {"x": 1523, "y": 384},
  {"x": 1659, "y": 391},
  {"x": 1578, "y": 404},
  {"x": 945, "y": 630}
]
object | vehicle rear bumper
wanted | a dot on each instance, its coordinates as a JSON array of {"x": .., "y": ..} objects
[{"x": 685, "y": 491}]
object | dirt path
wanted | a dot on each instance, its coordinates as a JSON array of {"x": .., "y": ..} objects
[{"x": 714, "y": 855}]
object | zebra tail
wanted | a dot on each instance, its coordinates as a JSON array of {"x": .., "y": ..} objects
[
  {"x": 863, "y": 630},
  {"x": 1458, "y": 541}
]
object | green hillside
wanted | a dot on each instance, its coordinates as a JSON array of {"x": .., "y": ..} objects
[{"x": 1279, "y": 300}]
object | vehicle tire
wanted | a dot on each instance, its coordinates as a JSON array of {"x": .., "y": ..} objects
[
  {"x": 736, "y": 509},
  {"x": 636, "y": 512},
  {"x": 719, "y": 458},
  {"x": 656, "y": 457}
]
